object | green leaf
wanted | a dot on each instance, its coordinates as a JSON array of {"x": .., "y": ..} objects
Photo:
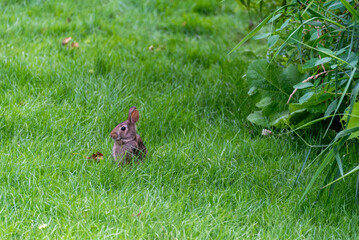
[
  {"x": 314, "y": 36},
  {"x": 322, "y": 61},
  {"x": 252, "y": 91},
  {"x": 310, "y": 63},
  {"x": 274, "y": 18},
  {"x": 352, "y": 60},
  {"x": 261, "y": 36},
  {"x": 316, "y": 104},
  {"x": 299, "y": 118},
  {"x": 354, "y": 120},
  {"x": 331, "y": 108},
  {"x": 280, "y": 120},
  {"x": 258, "y": 118},
  {"x": 303, "y": 85},
  {"x": 265, "y": 102},
  {"x": 284, "y": 25},
  {"x": 350, "y": 8},
  {"x": 341, "y": 98},
  {"x": 346, "y": 132},
  {"x": 306, "y": 97},
  {"x": 272, "y": 40},
  {"x": 326, "y": 50}
]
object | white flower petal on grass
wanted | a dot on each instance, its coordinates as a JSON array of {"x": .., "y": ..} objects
[{"x": 42, "y": 226}]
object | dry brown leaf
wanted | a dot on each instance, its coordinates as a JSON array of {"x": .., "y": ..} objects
[
  {"x": 138, "y": 214},
  {"x": 66, "y": 41},
  {"x": 96, "y": 156},
  {"x": 75, "y": 45}
]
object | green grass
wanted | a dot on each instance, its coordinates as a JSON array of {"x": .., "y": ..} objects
[{"x": 208, "y": 175}]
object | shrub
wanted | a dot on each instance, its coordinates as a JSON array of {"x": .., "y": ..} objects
[{"x": 310, "y": 75}]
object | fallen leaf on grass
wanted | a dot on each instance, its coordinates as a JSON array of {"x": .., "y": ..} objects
[
  {"x": 66, "y": 41},
  {"x": 96, "y": 156},
  {"x": 266, "y": 132},
  {"x": 75, "y": 45},
  {"x": 42, "y": 226},
  {"x": 138, "y": 214}
]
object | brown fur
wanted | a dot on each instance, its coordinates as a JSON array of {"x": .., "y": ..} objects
[{"x": 127, "y": 142}]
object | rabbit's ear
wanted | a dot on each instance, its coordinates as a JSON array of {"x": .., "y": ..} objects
[{"x": 133, "y": 115}]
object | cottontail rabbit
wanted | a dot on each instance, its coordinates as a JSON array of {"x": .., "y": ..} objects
[{"x": 127, "y": 142}]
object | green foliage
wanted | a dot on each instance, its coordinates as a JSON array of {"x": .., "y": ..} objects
[
  {"x": 261, "y": 7},
  {"x": 353, "y": 121},
  {"x": 320, "y": 38},
  {"x": 271, "y": 85}
]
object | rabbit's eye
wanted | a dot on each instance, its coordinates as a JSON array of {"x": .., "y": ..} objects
[{"x": 123, "y": 128}]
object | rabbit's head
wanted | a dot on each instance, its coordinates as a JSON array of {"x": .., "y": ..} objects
[{"x": 126, "y": 131}]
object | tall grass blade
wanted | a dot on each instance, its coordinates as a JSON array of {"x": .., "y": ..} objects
[
  {"x": 325, "y": 162},
  {"x": 345, "y": 175},
  {"x": 341, "y": 99},
  {"x": 303, "y": 165},
  {"x": 350, "y": 8},
  {"x": 327, "y": 179}
]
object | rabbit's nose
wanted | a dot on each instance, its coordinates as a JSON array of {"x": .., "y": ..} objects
[{"x": 114, "y": 135}]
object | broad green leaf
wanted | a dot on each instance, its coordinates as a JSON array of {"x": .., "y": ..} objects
[
  {"x": 303, "y": 85},
  {"x": 299, "y": 118},
  {"x": 331, "y": 108},
  {"x": 273, "y": 79},
  {"x": 316, "y": 103},
  {"x": 306, "y": 97},
  {"x": 258, "y": 118},
  {"x": 261, "y": 36},
  {"x": 352, "y": 59},
  {"x": 326, "y": 50},
  {"x": 264, "y": 102},
  {"x": 314, "y": 36},
  {"x": 284, "y": 25},
  {"x": 252, "y": 91},
  {"x": 272, "y": 40},
  {"x": 274, "y": 18},
  {"x": 322, "y": 61},
  {"x": 346, "y": 132},
  {"x": 280, "y": 120},
  {"x": 310, "y": 63}
]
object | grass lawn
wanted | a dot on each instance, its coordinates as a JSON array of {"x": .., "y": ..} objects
[{"x": 209, "y": 174}]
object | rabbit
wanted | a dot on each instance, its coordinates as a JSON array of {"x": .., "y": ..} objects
[{"x": 127, "y": 142}]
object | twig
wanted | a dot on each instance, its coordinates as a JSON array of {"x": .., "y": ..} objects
[{"x": 306, "y": 80}]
